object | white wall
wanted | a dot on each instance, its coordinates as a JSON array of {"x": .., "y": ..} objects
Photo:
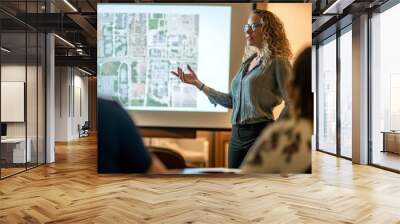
[
  {"x": 71, "y": 94},
  {"x": 80, "y": 111},
  {"x": 33, "y": 127},
  {"x": 61, "y": 103},
  {"x": 16, "y": 73}
]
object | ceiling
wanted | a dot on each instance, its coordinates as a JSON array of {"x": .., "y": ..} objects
[
  {"x": 75, "y": 21},
  {"x": 332, "y": 15}
]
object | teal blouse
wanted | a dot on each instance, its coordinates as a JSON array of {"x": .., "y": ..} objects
[{"x": 254, "y": 95}]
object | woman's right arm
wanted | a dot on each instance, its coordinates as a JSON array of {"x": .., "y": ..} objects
[{"x": 215, "y": 97}]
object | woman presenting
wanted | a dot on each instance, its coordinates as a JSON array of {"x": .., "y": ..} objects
[{"x": 257, "y": 87}]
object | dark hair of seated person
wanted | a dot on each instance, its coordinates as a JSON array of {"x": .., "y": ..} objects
[
  {"x": 302, "y": 81},
  {"x": 120, "y": 146}
]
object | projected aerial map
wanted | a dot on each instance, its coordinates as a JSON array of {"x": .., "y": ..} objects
[{"x": 137, "y": 51}]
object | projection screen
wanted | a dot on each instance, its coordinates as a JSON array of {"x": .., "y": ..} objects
[{"x": 139, "y": 44}]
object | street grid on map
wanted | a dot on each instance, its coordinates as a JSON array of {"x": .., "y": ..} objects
[{"x": 136, "y": 53}]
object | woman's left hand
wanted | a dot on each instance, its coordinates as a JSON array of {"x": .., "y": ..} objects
[{"x": 189, "y": 78}]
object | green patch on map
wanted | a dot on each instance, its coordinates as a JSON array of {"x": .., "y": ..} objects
[
  {"x": 110, "y": 68},
  {"x": 134, "y": 72},
  {"x": 153, "y": 24},
  {"x": 115, "y": 98},
  {"x": 157, "y": 15},
  {"x": 115, "y": 86},
  {"x": 136, "y": 102},
  {"x": 124, "y": 101},
  {"x": 153, "y": 103}
]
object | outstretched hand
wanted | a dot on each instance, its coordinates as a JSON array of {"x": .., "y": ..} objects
[{"x": 189, "y": 78}]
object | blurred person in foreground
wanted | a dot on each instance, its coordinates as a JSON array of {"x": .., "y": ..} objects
[
  {"x": 285, "y": 146},
  {"x": 120, "y": 145}
]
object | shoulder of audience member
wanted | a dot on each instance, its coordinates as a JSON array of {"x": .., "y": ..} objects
[
  {"x": 111, "y": 106},
  {"x": 280, "y": 128}
]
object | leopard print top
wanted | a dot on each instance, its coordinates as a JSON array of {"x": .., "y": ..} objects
[{"x": 283, "y": 147}]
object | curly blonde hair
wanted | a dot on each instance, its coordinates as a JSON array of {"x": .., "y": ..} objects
[{"x": 275, "y": 42}]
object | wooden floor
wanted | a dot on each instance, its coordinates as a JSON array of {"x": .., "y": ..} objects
[
  {"x": 10, "y": 171},
  {"x": 70, "y": 191},
  {"x": 5, "y": 172},
  {"x": 387, "y": 159}
]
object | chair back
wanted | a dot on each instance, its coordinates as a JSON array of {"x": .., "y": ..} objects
[
  {"x": 86, "y": 125},
  {"x": 170, "y": 158}
]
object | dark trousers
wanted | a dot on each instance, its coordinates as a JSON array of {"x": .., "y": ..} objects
[{"x": 243, "y": 137}]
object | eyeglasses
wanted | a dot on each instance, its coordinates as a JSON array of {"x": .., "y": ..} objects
[{"x": 253, "y": 26}]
